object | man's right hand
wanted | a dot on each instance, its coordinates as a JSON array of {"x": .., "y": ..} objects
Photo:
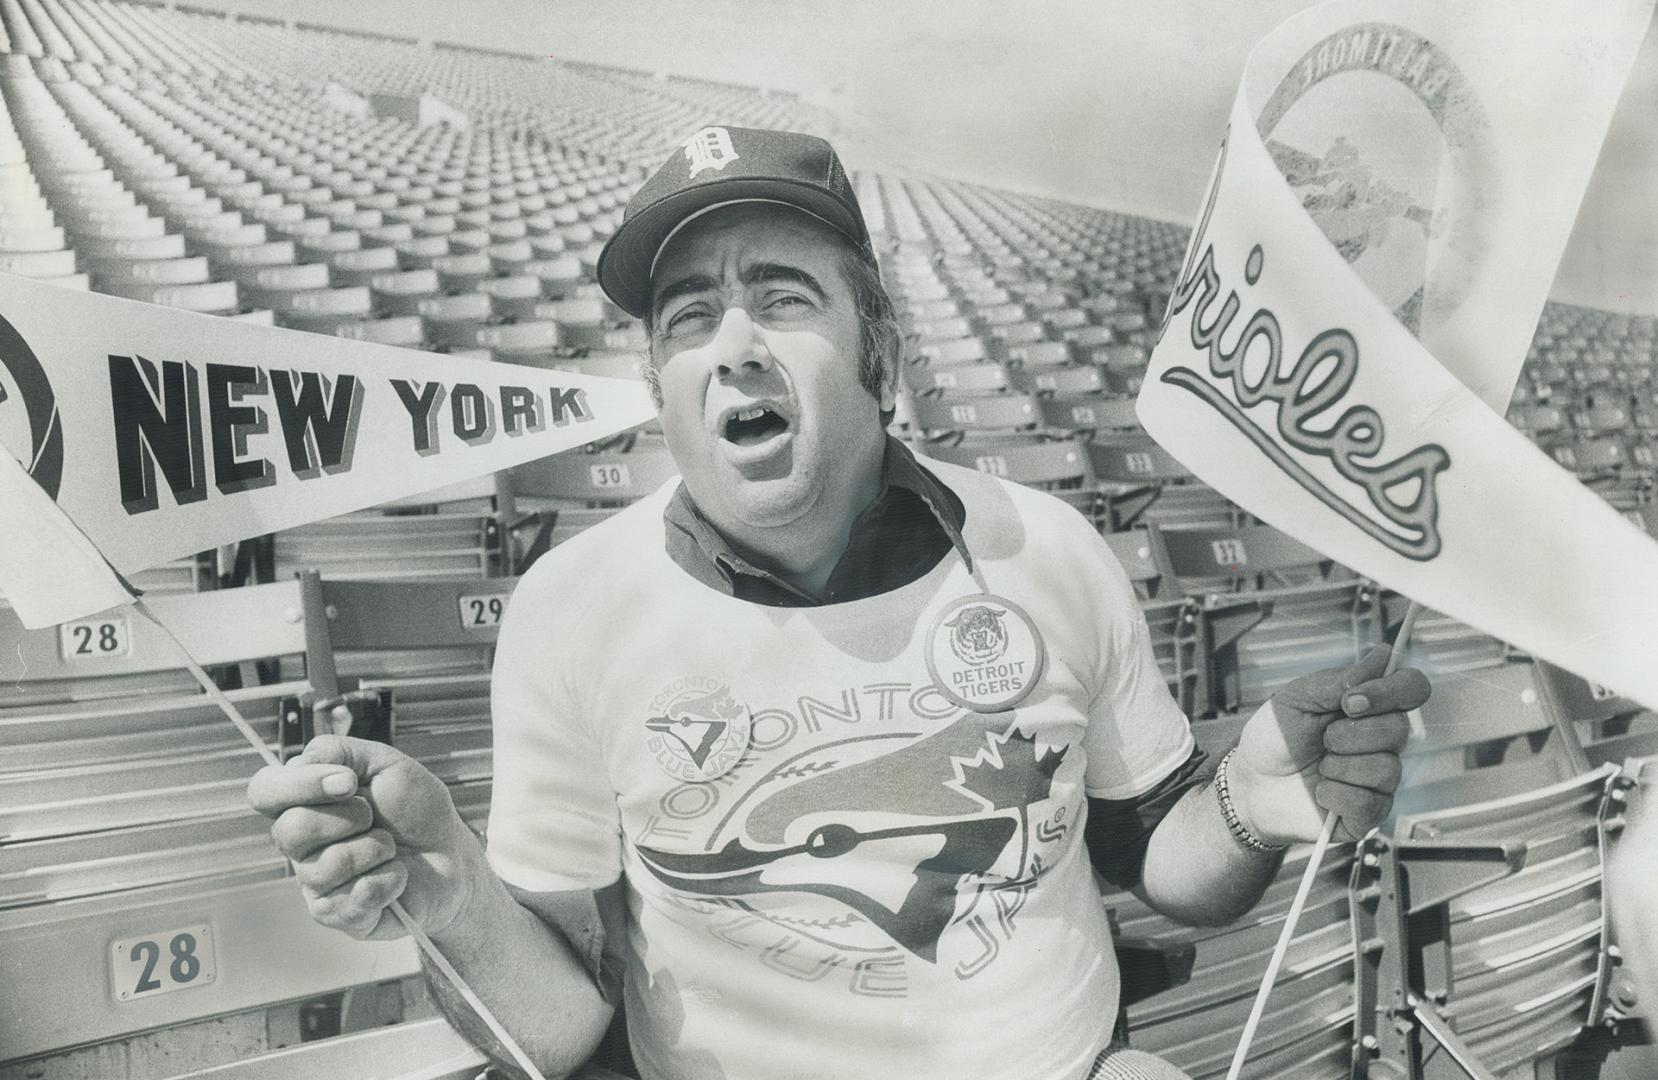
[{"x": 364, "y": 825}]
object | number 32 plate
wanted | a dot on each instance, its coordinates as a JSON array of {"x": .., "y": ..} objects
[{"x": 152, "y": 964}]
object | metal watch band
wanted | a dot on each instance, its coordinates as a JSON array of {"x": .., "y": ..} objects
[{"x": 1240, "y": 831}]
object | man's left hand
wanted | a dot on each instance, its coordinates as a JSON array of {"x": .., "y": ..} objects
[{"x": 1328, "y": 741}]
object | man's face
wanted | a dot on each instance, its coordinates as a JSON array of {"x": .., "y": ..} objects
[{"x": 756, "y": 338}]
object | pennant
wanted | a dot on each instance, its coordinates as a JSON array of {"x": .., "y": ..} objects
[
  {"x": 162, "y": 432},
  {"x": 49, "y": 570},
  {"x": 1289, "y": 374},
  {"x": 1442, "y": 149}
]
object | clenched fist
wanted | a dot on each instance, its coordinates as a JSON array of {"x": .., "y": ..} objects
[
  {"x": 364, "y": 825},
  {"x": 1328, "y": 741}
]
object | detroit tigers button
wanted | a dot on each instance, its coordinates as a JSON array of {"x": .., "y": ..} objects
[{"x": 984, "y": 653}]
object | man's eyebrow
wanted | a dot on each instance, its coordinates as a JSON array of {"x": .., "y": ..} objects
[
  {"x": 763, "y": 273},
  {"x": 694, "y": 283},
  {"x": 760, "y": 273}
]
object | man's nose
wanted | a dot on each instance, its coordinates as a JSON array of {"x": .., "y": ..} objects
[{"x": 738, "y": 348}]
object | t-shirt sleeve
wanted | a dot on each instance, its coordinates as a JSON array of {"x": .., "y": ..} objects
[
  {"x": 1137, "y": 734},
  {"x": 553, "y": 821}
]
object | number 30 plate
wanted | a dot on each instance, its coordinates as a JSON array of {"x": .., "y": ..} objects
[{"x": 160, "y": 963}]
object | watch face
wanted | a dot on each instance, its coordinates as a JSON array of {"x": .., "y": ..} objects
[{"x": 984, "y": 653}]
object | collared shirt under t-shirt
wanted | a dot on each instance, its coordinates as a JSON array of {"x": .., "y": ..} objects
[{"x": 911, "y": 525}]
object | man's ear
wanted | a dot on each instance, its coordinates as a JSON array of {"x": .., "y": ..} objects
[{"x": 892, "y": 361}]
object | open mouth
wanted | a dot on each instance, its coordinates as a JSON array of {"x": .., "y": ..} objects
[{"x": 753, "y": 426}]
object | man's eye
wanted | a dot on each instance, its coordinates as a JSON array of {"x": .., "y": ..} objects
[
  {"x": 686, "y": 317},
  {"x": 786, "y": 302}
]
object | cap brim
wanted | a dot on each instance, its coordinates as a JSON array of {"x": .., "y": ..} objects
[{"x": 625, "y": 262}]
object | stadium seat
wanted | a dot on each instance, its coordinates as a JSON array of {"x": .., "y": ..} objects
[
  {"x": 1044, "y": 464},
  {"x": 938, "y": 354},
  {"x": 1274, "y": 609},
  {"x": 1610, "y": 728},
  {"x": 1441, "y": 644},
  {"x": 1171, "y": 617},
  {"x": 127, "y": 828},
  {"x": 1134, "y": 459},
  {"x": 559, "y": 496},
  {"x": 1484, "y": 927},
  {"x": 961, "y": 413},
  {"x": 987, "y": 378},
  {"x": 427, "y": 647},
  {"x": 1079, "y": 413},
  {"x": 1307, "y": 1029},
  {"x": 1486, "y": 733}
]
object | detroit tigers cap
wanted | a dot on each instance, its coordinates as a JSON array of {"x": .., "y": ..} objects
[{"x": 714, "y": 167}]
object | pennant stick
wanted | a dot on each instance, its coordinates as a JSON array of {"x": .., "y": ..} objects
[
  {"x": 425, "y": 943},
  {"x": 454, "y": 977},
  {"x": 1283, "y": 946},
  {"x": 1406, "y": 625},
  {"x": 216, "y": 695},
  {"x": 1303, "y": 890}
]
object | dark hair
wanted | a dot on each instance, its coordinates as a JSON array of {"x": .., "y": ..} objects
[{"x": 879, "y": 337}]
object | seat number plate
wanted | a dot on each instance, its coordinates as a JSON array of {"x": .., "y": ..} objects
[
  {"x": 482, "y": 612},
  {"x": 152, "y": 964},
  {"x": 95, "y": 639},
  {"x": 609, "y": 476}
]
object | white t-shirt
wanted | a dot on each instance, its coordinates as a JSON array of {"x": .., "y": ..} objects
[{"x": 883, "y": 884}]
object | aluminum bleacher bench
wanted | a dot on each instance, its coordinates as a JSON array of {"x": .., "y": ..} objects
[
  {"x": 452, "y": 532},
  {"x": 131, "y": 869}
]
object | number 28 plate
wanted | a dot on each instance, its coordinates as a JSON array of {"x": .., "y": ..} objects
[{"x": 150, "y": 964}]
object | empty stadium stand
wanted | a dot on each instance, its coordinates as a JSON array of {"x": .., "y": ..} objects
[
  {"x": 452, "y": 199},
  {"x": 127, "y": 831}
]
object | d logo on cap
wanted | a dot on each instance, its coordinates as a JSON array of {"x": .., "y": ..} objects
[{"x": 709, "y": 148}]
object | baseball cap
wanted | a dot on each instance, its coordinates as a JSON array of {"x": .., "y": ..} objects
[{"x": 716, "y": 167}]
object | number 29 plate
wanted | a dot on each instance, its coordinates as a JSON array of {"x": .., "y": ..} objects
[
  {"x": 482, "y": 612},
  {"x": 150, "y": 964}
]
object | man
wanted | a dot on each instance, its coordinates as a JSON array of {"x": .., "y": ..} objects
[{"x": 807, "y": 740}]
